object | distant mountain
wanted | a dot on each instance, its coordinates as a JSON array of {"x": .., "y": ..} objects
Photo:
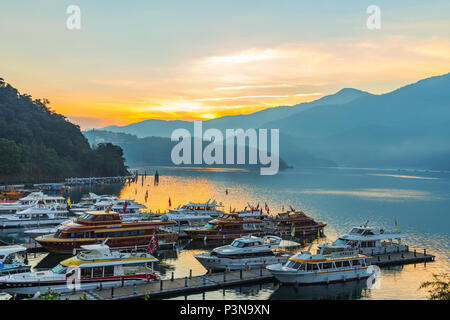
[
  {"x": 152, "y": 150},
  {"x": 164, "y": 128},
  {"x": 402, "y": 128}
]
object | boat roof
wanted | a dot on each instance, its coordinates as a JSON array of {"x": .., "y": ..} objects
[
  {"x": 203, "y": 204},
  {"x": 308, "y": 257},
  {"x": 371, "y": 233},
  {"x": 5, "y": 250}
]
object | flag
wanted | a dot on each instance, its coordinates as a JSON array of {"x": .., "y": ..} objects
[
  {"x": 125, "y": 205},
  {"x": 226, "y": 191},
  {"x": 265, "y": 206},
  {"x": 260, "y": 212},
  {"x": 293, "y": 231},
  {"x": 68, "y": 202},
  {"x": 395, "y": 222},
  {"x": 170, "y": 203},
  {"x": 257, "y": 207},
  {"x": 318, "y": 235},
  {"x": 154, "y": 242},
  {"x": 252, "y": 210},
  {"x": 149, "y": 246},
  {"x": 268, "y": 210}
]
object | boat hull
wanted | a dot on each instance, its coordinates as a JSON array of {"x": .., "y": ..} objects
[
  {"x": 305, "y": 278},
  {"x": 219, "y": 264}
]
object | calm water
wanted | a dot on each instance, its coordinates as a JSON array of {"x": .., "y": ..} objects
[{"x": 344, "y": 198}]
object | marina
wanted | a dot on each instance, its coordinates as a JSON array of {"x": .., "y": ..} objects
[{"x": 388, "y": 252}]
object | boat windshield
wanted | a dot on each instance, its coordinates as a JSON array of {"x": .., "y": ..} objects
[
  {"x": 340, "y": 242},
  {"x": 87, "y": 216},
  {"x": 237, "y": 244},
  {"x": 59, "y": 269},
  {"x": 210, "y": 226}
]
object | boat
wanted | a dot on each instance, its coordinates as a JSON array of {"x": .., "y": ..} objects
[
  {"x": 227, "y": 226},
  {"x": 210, "y": 208},
  {"x": 12, "y": 260},
  {"x": 293, "y": 223},
  {"x": 11, "y": 195},
  {"x": 87, "y": 203},
  {"x": 185, "y": 220},
  {"x": 95, "y": 226},
  {"x": 329, "y": 265},
  {"x": 34, "y": 216},
  {"x": 40, "y": 231},
  {"x": 95, "y": 266},
  {"x": 31, "y": 200},
  {"x": 372, "y": 241},
  {"x": 252, "y": 212},
  {"x": 246, "y": 252}
]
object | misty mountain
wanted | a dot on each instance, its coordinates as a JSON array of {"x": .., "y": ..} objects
[
  {"x": 164, "y": 128},
  {"x": 402, "y": 128}
]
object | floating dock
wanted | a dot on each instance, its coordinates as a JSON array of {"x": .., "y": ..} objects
[
  {"x": 400, "y": 258},
  {"x": 214, "y": 281},
  {"x": 176, "y": 287}
]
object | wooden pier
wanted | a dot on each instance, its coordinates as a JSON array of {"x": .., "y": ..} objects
[
  {"x": 91, "y": 180},
  {"x": 400, "y": 258},
  {"x": 176, "y": 287}
]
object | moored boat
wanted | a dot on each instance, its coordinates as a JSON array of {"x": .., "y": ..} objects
[
  {"x": 13, "y": 260},
  {"x": 97, "y": 265},
  {"x": 96, "y": 226},
  {"x": 293, "y": 223},
  {"x": 371, "y": 241},
  {"x": 329, "y": 265},
  {"x": 35, "y": 216},
  {"x": 246, "y": 252},
  {"x": 227, "y": 226},
  {"x": 210, "y": 208}
]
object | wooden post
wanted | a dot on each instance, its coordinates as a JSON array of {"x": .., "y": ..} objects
[
  {"x": 240, "y": 274},
  {"x": 210, "y": 272},
  {"x": 172, "y": 276},
  {"x": 190, "y": 274},
  {"x": 425, "y": 252},
  {"x": 161, "y": 285},
  {"x": 112, "y": 292}
]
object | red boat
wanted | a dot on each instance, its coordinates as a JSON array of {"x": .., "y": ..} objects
[
  {"x": 96, "y": 226},
  {"x": 227, "y": 226},
  {"x": 293, "y": 223}
]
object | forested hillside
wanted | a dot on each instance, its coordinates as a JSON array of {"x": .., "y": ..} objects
[{"x": 37, "y": 143}]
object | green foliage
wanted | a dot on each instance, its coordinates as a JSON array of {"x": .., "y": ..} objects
[
  {"x": 83, "y": 297},
  {"x": 50, "y": 295},
  {"x": 37, "y": 142},
  {"x": 438, "y": 288}
]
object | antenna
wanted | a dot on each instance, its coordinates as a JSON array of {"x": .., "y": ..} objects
[
  {"x": 309, "y": 248},
  {"x": 104, "y": 241},
  {"x": 365, "y": 224},
  {"x": 292, "y": 208}
]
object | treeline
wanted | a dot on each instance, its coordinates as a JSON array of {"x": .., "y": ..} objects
[{"x": 36, "y": 143}]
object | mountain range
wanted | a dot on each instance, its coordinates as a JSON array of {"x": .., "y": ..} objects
[{"x": 408, "y": 127}]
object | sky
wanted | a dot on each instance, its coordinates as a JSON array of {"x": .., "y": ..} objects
[{"x": 177, "y": 59}]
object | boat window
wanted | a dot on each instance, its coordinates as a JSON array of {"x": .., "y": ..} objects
[
  {"x": 327, "y": 265},
  {"x": 59, "y": 269},
  {"x": 117, "y": 234},
  {"x": 109, "y": 271},
  {"x": 368, "y": 233},
  {"x": 97, "y": 272},
  {"x": 141, "y": 232},
  {"x": 237, "y": 244},
  {"x": 338, "y": 264},
  {"x": 79, "y": 235},
  {"x": 125, "y": 234},
  {"x": 356, "y": 262},
  {"x": 209, "y": 226},
  {"x": 134, "y": 232},
  {"x": 86, "y": 273},
  {"x": 100, "y": 235},
  {"x": 346, "y": 263},
  {"x": 356, "y": 230}
]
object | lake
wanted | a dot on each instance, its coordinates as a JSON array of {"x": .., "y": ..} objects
[{"x": 342, "y": 197}]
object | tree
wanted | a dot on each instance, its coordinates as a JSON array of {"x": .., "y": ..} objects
[
  {"x": 438, "y": 288},
  {"x": 10, "y": 157}
]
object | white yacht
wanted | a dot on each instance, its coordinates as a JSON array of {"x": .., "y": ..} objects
[
  {"x": 31, "y": 200},
  {"x": 12, "y": 260},
  {"x": 185, "y": 220},
  {"x": 94, "y": 266},
  {"x": 34, "y": 216},
  {"x": 329, "y": 265},
  {"x": 87, "y": 203},
  {"x": 371, "y": 241},
  {"x": 249, "y": 251},
  {"x": 210, "y": 208}
]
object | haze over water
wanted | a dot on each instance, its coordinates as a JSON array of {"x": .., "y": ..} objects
[{"x": 342, "y": 197}]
